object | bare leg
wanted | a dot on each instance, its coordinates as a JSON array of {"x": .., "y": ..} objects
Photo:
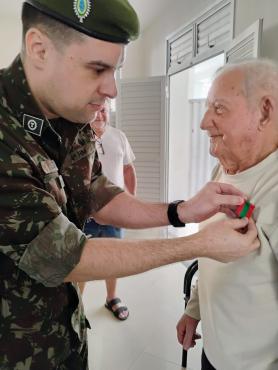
[{"x": 111, "y": 288}]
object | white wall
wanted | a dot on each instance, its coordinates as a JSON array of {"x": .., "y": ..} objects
[
  {"x": 134, "y": 65},
  {"x": 152, "y": 46},
  {"x": 10, "y": 38}
]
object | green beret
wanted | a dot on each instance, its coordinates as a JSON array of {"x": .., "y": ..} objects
[{"x": 109, "y": 20}]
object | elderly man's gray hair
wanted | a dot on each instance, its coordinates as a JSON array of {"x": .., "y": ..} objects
[{"x": 260, "y": 77}]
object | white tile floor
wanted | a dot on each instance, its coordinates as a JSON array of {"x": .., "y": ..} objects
[{"x": 147, "y": 340}]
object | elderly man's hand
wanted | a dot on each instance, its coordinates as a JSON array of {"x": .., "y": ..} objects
[
  {"x": 214, "y": 197},
  {"x": 224, "y": 241},
  {"x": 186, "y": 331}
]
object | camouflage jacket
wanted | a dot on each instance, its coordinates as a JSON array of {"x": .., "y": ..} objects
[{"x": 50, "y": 183}]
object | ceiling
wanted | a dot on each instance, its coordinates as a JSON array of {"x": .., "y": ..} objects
[{"x": 147, "y": 10}]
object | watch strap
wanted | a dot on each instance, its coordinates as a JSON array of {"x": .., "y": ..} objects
[{"x": 173, "y": 214}]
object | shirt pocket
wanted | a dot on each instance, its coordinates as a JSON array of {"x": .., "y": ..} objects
[{"x": 53, "y": 181}]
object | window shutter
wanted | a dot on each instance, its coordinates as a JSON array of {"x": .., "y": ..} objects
[
  {"x": 215, "y": 28},
  {"x": 246, "y": 45},
  {"x": 205, "y": 37},
  {"x": 141, "y": 115},
  {"x": 180, "y": 50}
]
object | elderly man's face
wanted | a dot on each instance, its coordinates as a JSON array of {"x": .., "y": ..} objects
[
  {"x": 229, "y": 120},
  {"x": 102, "y": 118}
]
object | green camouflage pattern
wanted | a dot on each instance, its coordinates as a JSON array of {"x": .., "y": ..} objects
[{"x": 47, "y": 191}]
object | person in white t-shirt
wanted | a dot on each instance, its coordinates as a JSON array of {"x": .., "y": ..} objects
[
  {"x": 116, "y": 157},
  {"x": 237, "y": 303}
]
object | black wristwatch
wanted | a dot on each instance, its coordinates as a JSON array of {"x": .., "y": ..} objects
[{"x": 173, "y": 214}]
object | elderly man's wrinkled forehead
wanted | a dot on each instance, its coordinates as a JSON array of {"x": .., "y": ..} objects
[{"x": 227, "y": 85}]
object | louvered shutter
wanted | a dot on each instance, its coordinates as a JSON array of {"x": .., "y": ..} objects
[
  {"x": 141, "y": 115},
  {"x": 215, "y": 29},
  {"x": 206, "y": 36},
  {"x": 180, "y": 50},
  {"x": 246, "y": 45}
]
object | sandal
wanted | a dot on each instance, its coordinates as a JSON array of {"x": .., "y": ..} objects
[{"x": 118, "y": 310}]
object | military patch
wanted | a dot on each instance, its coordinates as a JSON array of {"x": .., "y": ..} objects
[
  {"x": 82, "y": 9},
  {"x": 32, "y": 124}
]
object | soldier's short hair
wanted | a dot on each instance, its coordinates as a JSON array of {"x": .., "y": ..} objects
[{"x": 59, "y": 33}]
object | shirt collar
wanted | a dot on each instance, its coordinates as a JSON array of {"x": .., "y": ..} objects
[
  {"x": 21, "y": 103},
  {"x": 18, "y": 93}
]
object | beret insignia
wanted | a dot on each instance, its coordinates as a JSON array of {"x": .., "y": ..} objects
[{"x": 82, "y": 9}]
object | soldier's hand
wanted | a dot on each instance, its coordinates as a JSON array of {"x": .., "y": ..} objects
[
  {"x": 224, "y": 242},
  {"x": 214, "y": 197}
]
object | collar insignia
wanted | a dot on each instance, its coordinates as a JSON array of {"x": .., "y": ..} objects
[
  {"x": 33, "y": 125},
  {"x": 82, "y": 9}
]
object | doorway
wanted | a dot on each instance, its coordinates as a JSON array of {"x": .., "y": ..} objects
[{"x": 190, "y": 164}]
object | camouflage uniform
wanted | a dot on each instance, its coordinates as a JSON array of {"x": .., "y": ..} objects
[{"x": 48, "y": 188}]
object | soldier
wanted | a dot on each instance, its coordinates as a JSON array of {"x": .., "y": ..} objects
[{"x": 51, "y": 182}]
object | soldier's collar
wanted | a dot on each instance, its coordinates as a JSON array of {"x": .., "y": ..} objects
[
  {"x": 18, "y": 93},
  {"x": 21, "y": 101}
]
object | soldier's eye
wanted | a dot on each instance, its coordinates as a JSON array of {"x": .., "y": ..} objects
[{"x": 99, "y": 70}]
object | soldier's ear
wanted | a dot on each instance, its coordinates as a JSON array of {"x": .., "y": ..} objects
[
  {"x": 37, "y": 46},
  {"x": 266, "y": 111}
]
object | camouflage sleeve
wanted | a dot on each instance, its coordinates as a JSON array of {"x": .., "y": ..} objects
[
  {"x": 33, "y": 230},
  {"x": 102, "y": 191},
  {"x": 50, "y": 259},
  {"x": 98, "y": 189}
]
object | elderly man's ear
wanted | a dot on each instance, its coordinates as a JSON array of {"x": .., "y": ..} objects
[{"x": 266, "y": 111}]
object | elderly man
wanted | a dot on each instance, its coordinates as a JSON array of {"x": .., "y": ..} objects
[
  {"x": 51, "y": 182},
  {"x": 238, "y": 302}
]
